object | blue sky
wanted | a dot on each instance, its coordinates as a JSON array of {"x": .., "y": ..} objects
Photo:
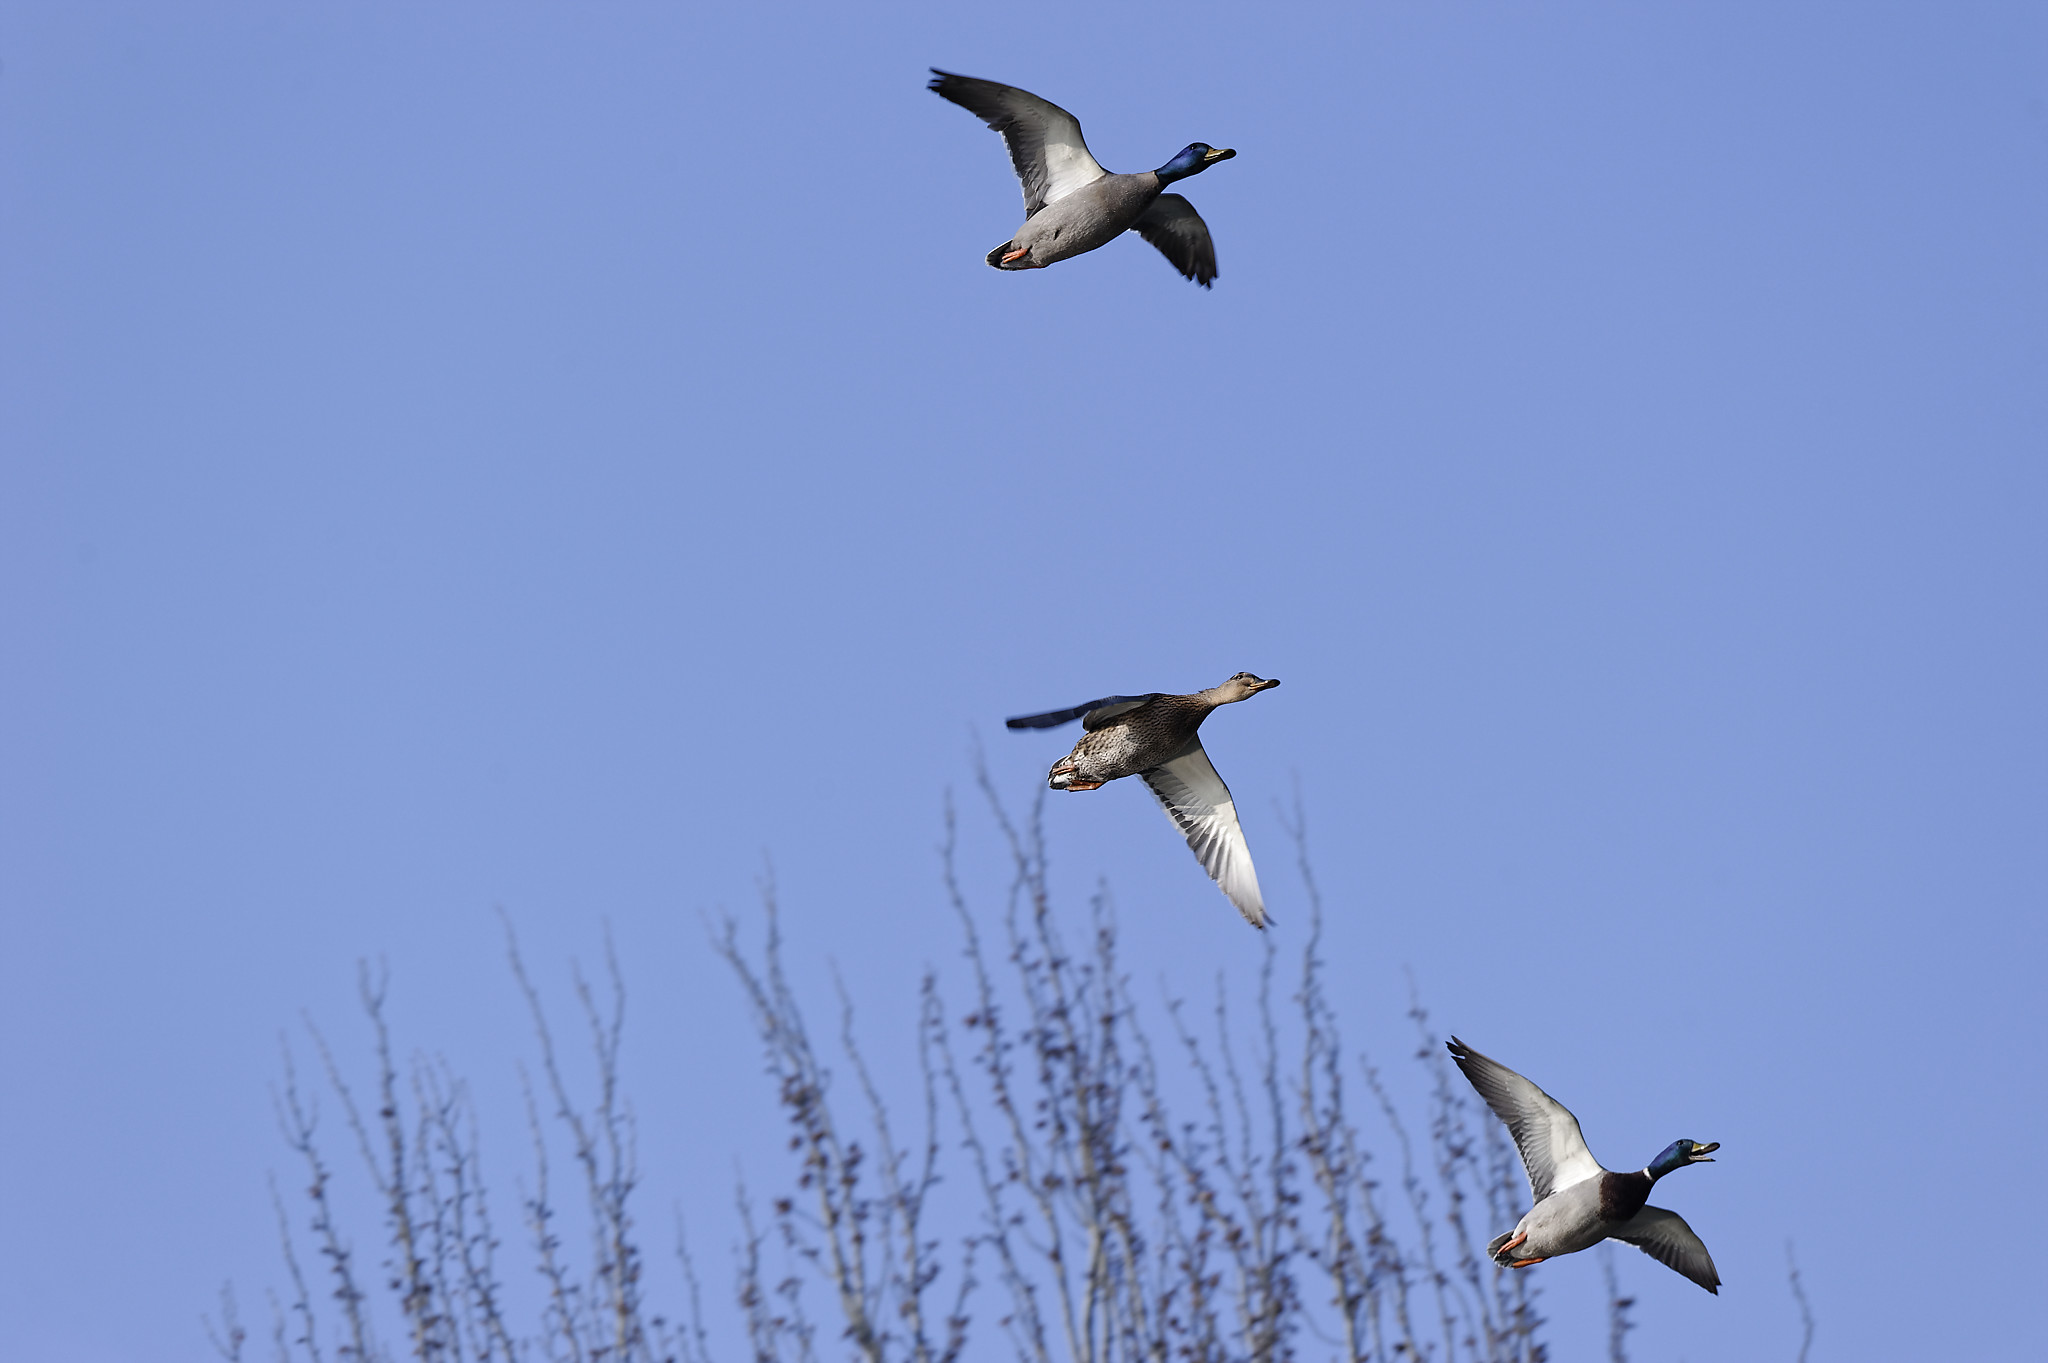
[{"x": 553, "y": 456}]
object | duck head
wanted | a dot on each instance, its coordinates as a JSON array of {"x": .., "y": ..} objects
[
  {"x": 1241, "y": 686},
  {"x": 1193, "y": 159},
  {"x": 1678, "y": 1154}
]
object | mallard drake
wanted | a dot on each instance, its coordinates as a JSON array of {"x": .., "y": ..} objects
[
  {"x": 1579, "y": 1203},
  {"x": 1071, "y": 204},
  {"x": 1155, "y": 736}
]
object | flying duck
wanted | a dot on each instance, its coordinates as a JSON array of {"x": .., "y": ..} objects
[
  {"x": 1155, "y": 736},
  {"x": 1071, "y": 204},
  {"x": 1579, "y": 1203}
]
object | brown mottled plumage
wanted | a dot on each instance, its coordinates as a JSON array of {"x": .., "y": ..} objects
[{"x": 1156, "y": 736}]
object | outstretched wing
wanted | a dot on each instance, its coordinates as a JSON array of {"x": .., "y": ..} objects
[
  {"x": 1553, "y": 1151},
  {"x": 1665, "y": 1237},
  {"x": 1199, "y": 804},
  {"x": 1172, "y": 225},
  {"x": 1044, "y": 139},
  {"x": 1093, "y": 714}
]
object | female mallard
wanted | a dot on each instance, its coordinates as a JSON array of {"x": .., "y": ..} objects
[
  {"x": 1155, "y": 736},
  {"x": 1071, "y": 204},
  {"x": 1578, "y": 1203}
]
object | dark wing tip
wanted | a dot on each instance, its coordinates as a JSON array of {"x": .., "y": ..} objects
[
  {"x": 1178, "y": 232},
  {"x": 1052, "y": 719}
]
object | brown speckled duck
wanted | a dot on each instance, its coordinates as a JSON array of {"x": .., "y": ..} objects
[{"x": 1156, "y": 736}]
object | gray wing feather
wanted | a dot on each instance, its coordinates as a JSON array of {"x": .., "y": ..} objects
[
  {"x": 1046, "y": 147},
  {"x": 1196, "y": 800},
  {"x": 1553, "y": 1150},
  {"x": 1665, "y": 1237},
  {"x": 1172, "y": 225},
  {"x": 1112, "y": 708},
  {"x": 1052, "y": 719}
]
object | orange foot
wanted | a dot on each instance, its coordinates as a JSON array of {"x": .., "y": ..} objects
[
  {"x": 1018, "y": 254},
  {"x": 1520, "y": 1236},
  {"x": 1524, "y": 1263},
  {"x": 1084, "y": 785}
]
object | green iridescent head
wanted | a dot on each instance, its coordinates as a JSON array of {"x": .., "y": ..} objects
[
  {"x": 1193, "y": 159},
  {"x": 1678, "y": 1154}
]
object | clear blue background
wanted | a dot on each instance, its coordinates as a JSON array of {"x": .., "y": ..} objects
[{"x": 550, "y": 455}]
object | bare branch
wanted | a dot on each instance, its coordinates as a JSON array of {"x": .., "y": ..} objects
[
  {"x": 1618, "y": 1323},
  {"x": 1211, "y": 1201},
  {"x": 1805, "y": 1307},
  {"x": 228, "y": 1337}
]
